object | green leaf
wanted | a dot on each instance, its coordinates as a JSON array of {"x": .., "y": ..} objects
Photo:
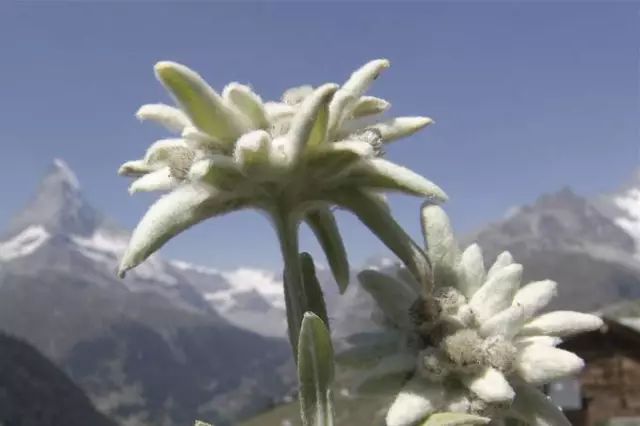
[
  {"x": 324, "y": 226},
  {"x": 206, "y": 109},
  {"x": 247, "y": 102},
  {"x": 394, "y": 297},
  {"x": 442, "y": 246},
  {"x": 376, "y": 216},
  {"x": 455, "y": 419},
  {"x": 369, "y": 105},
  {"x": 315, "y": 372},
  {"x": 308, "y": 298},
  {"x": 199, "y": 423}
]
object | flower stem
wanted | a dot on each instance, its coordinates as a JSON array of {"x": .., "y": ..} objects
[{"x": 287, "y": 229}]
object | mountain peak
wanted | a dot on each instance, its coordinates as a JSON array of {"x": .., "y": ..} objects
[{"x": 58, "y": 205}]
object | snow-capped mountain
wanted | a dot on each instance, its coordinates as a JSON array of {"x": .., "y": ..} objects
[
  {"x": 568, "y": 238},
  {"x": 623, "y": 207},
  {"x": 153, "y": 348}
]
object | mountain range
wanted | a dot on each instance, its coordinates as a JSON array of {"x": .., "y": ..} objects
[{"x": 176, "y": 341}]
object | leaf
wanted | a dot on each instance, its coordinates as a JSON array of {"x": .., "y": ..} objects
[
  {"x": 170, "y": 117},
  {"x": 378, "y": 173},
  {"x": 202, "y": 104},
  {"x": 307, "y": 297},
  {"x": 309, "y": 124},
  {"x": 247, "y": 102},
  {"x": 394, "y": 297},
  {"x": 324, "y": 226},
  {"x": 442, "y": 246},
  {"x": 561, "y": 324},
  {"x": 315, "y": 372},
  {"x": 379, "y": 220},
  {"x": 455, "y": 419},
  {"x": 369, "y": 105},
  {"x": 199, "y": 423},
  {"x": 400, "y": 127},
  {"x": 219, "y": 171},
  {"x": 170, "y": 215}
]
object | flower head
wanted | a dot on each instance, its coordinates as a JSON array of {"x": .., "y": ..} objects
[
  {"x": 292, "y": 159},
  {"x": 476, "y": 344}
]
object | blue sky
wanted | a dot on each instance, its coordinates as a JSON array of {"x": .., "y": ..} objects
[{"x": 527, "y": 97}]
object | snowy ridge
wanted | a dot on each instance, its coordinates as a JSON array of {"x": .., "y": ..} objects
[
  {"x": 67, "y": 173},
  {"x": 23, "y": 244},
  {"x": 629, "y": 203}
]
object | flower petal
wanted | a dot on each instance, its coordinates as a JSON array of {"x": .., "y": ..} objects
[
  {"x": 202, "y": 104},
  {"x": 506, "y": 323},
  {"x": 455, "y": 419},
  {"x": 324, "y": 226},
  {"x": 247, "y": 102},
  {"x": 522, "y": 341},
  {"x": 376, "y": 216},
  {"x": 170, "y": 117},
  {"x": 218, "y": 171},
  {"x": 278, "y": 111},
  {"x": 441, "y": 244},
  {"x": 536, "y": 408},
  {"x": 309, "y": 124},
  {"x": 400, "y": 127},
  {"x": 378, "y": 173},
  {"x": 369, "y": 105},
  {"x": 135, "y": 168},
  {"x": 252, "y": 150},
  {"x": 503, "y": 259},
  {"x": 490, "y": 385},
  {"x": 416, "y": 400},
  {"x": 196, "y": 139},
  {"x": 535, "y": 296},
  {"x": 497, "y": 293},
  {"x": 350, "y": 92},
  {"x": 170, "y": 215},
  {"x": 471, "y": 271},
  {"x": 540, "y": 364},
  {"x": 561, "y": 324},
  {"x": 394, "y": 297},
  {"x": 159, "y": 180}
]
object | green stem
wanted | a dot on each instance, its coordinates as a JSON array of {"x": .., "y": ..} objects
[{"x": 287, "y": 229}]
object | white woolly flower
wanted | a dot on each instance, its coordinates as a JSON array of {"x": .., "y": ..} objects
[
  {"x": 479, "y": 345},
  {"x": 292, "y": 159}
]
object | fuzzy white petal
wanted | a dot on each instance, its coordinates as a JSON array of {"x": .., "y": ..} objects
[
  {"x": 400, "y": 127},
  {"x": 536, "y": 408},
  {"x": 369, "y": 105},
  {"x": 503, "y": 259},
  {"x": 206, "y": 109},
  {"x": 252, "y": 149},
  {"x": 442, "y": 246},
  {"x": 506, "y": 323},
  {"x": 170, "y": 215},
  {"x": 310, "y": 119},
  {"x": 561, "y": 323},
  {"x": 490, "y": 385},
  {"x": 539, "y": 364},
  {"x": 416, "y": 400},
  {"x": 170, "y": 117},
  {"x": 161, "y": 152},
  {"x": 136, "y": 168},
  {"x": 159, "y": 180},
  {"x": 497, "y": 293},
  {"x": 278, "y": 111},
  {"x": 247, "y": 102},
  {"x": 521, "y": 341},
  {"x": 471, "y": 271},
  {"x": 535, "y": 296}
]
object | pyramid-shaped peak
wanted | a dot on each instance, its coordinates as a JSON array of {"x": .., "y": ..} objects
[
  {"x": 64, "y": 173},
  {"x": 58, "y": 205}
]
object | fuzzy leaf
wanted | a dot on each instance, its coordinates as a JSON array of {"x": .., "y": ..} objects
[
  {"x": 247, "y": 102},
  {"x": 378, "y": 173},
  {"x": 471, "y": 271},
  {"x": 561, "y": 324},
  {"x": 315, "y": 372},
  {"x": 416, "y": 400},
  {"x": 218, "y": 171},
  {"x": 442, "y": 247},
  {"x": 388, "y": 376},
  {"x": 455, "y": 419},
  {"x": 497, "y": 293},
  {"x": 199, "y": 423},
  {"x": 394, "y": 297},
  {"x": 369, "y": 105},
  {"x": 490, "y": 385},
  {"x": 202, "y": 104},
  {"x": 379, "y": 220},
  {"x": 309, "y": 124},
  {"x": 541, "y": 364},
  {"x": 170, "y": 117},
  {"x": 159, "y": 180},
  {"x": 400, "y": 127},
  {"x": 170, "y": 215},
  {"x": 252, "y": 150},
  {"x": 503, "y": 259},
  {"x": 535, "y": 296},
  {"x": 535, "y": 408},
  {"x": 324, "y": 226}
]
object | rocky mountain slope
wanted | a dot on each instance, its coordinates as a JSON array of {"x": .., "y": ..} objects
[
  {"x": 148, "y": 350},
  {"x": 34, "y": 392}
]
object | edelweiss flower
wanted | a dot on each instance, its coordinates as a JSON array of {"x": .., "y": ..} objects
[
  {"x": 479, "y": 346},
  {"x": 292, "y": 159}
]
